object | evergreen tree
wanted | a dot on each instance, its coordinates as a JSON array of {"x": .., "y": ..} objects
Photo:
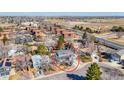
[
  {"x": 81, "y": 28},
  {"x": 119, "y": 30},
  {"x": 93, "y": 73},
  {"x": 50, "y": 28},
  {"x": 1, "y": 29},
  {"x": 60, "y": 42},
  {"x": 5, "y": 39},
  {"x": 88, "y": 29},
  {"x": 84, "y": 35},
  {"x": 75, "y": 27},
  {"x": 84, "y": 39}
]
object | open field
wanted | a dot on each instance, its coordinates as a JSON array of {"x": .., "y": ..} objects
[
  {"x": 117, "y": 40},
  {"x": 6, "y": 24}
]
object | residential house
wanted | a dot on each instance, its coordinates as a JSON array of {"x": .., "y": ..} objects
[
  {"x": 118, "y": 56},
  {"x": 39, "y": 35},
  {"x": 14, "y": 52},
  {"x": 5, "y": 68},
  {"x": 5, "y": 33},
  {"x": 20, "y": 39},
  {"x": 65, "y": 56},
  {"x": 18, "y": 58},
  {"x": 40, "y": 63},
  {"x": 67, "y": 34}
]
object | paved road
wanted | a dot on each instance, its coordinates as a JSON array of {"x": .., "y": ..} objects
[
  {"x": 102, "y": 39},
  {"x": 106, "y": 42},
  {"x": 110, "y": 43},
  {"x": 108, "y": 73}
]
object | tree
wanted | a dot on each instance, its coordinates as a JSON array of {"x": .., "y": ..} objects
[
  {"x": 93, "y": 73},
  {"x": 50, "y": 28},
  {"x": 39, "y": 27},
  {"x": 60, "y": 42},
  {"x": 114, "y": 28},
  {"x": 1, "y": 29},
  {"x": 80, "y": 28},
  {"x": 119, "y": 30},
  {"x": 84, "y": 39},
  {"x": 84, "y": 35},
  {"x": 42, "y": 50},
  {"x": 88, "y": 29},
  {"x": 76, "y": 27},
  {"x": 5, "y": 39},
  {"x": 92, "y": 41},
  {"x": 98, "y": 50},
  {"x": 119, "y": 34}
]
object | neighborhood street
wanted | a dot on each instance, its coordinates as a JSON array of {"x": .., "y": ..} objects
[{"x": 108, "y": 73}]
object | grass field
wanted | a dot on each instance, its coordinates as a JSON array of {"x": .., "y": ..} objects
[{"x": 117, "y": 40}]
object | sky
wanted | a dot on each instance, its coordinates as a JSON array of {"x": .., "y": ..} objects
[{"x": 61, "y": 13}]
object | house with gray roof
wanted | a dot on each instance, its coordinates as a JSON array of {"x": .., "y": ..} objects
[
  {"x": 5, "y": 68},
  {"x": 20, "y": 39},
  {"x": 41, "y": 63},
  {"x": 65, "y": 56},
  {"x": 118, "y": 56}
]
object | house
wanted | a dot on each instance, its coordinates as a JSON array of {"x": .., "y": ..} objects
[
  {"x": 33, "y": 24},
  {"x": 4, "y": 73},
  {"x": 22, "y": 32},
  {"x": 20, "y": 39},
  {"x": 11, "y": 52},
  {"x": 18, "y": 58},
  {"x": 5, "y": 68},
  {"x": 5, "y": 33},
  {"x": 65, "y": 56},
  {"x": 32, "y": 48},
  {"x": 49, "y": 43},
  {"x": 118, "y": 56},
  {"x": 68, "y": 34},
  {"x": 41, "y": 63},
  {"x": 14, "y": 52},
  {"x": 38, "y": 60},
  {"x": 38, "y": 34},
  {"x": 25, "y": 23}
]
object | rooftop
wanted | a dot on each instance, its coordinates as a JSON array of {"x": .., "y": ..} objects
[
  {"x": 64, "y": 53},
  {"x": 120, "y": 52}
]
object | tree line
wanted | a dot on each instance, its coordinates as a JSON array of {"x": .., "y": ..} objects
[
  {"x": 119, "y": 30},
  {"x": 87, "y": 29}
]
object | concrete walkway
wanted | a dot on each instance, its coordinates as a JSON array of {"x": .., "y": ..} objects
[{"x": 50, "y": 75}]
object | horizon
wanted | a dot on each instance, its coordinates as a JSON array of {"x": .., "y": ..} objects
[{"x": 51, "y": 14}]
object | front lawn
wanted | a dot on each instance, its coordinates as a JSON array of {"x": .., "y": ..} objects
[{"x": 85, "y": 58}]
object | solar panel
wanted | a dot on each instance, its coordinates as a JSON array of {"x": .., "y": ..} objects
[{"x": 8, "y": 64}]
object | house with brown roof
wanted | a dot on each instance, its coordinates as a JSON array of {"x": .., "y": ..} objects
[
  {"x": 4, "y": 33},
  {"x": 66, "y": 33},
  {"x": 39, "y": 35}
]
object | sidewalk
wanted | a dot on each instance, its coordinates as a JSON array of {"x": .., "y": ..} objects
[{"x": 80, "y": 66}]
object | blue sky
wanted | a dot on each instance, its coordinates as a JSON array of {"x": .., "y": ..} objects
[{"x": 61, "y": 13}]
